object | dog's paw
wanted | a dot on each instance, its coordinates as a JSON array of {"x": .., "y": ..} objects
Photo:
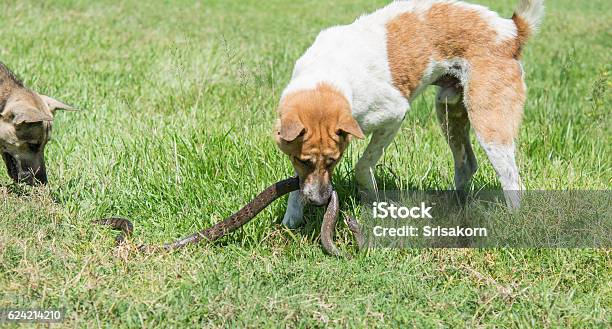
[{"x": 293, "y": 219}]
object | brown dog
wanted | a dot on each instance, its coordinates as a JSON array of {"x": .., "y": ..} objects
[{"x": 25, "y": 128}]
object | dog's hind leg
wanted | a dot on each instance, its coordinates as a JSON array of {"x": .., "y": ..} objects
[
  {"x": 495, "y": 96},
  {"x": 453, "y": 118}
]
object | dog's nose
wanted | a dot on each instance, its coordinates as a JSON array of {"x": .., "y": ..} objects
[
  {"x": 319, "y": 198},
  {"x": 317, "y": 193}
]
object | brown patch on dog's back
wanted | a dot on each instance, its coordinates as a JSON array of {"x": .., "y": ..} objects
[
  {"x": 444, "y": 32},
  {"x": 496, "y": 93},
  {"x": 455, "y": 31},
  {"x": 408, "y": 51},
  {"x": 440, "y": 34}
]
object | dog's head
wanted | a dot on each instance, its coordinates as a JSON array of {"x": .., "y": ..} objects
[
  {"x": 25, "y": 129},
  {"x": 314, "y": 129}
]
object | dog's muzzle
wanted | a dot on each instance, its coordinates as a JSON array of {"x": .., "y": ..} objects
[{"x": 316, "y": 194}]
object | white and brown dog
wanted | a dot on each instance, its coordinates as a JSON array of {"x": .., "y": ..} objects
[{"x": 360, "y": 78}]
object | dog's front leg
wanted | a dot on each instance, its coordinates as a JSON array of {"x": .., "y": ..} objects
[
  {"x": 294, "y": 215},
  {"x": 365, "y": 168}
]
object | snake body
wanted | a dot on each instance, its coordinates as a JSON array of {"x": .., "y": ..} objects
[
  {"x": 330, "y": 219},
  {"x": 125, "y": 226},
  {"x": 238, "y": 219}
]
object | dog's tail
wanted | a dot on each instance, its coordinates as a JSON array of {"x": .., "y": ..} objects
[{"x": 527, "y": 17}]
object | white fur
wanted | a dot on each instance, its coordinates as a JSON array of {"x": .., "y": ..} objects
[
  {"x": 353, "y": 58},
  {"x": 294, "y": 216},
  {"x": 381, "y": 138},
  {"x": 503, "y": 160}
]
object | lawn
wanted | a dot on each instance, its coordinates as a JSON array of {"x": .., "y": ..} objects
[{"x": 177, "y": 104}]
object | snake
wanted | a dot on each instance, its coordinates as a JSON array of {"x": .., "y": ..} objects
[{"x": 243, "y": 216}]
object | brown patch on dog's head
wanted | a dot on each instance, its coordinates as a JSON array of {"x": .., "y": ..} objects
[{"x": 314, "y": 129}]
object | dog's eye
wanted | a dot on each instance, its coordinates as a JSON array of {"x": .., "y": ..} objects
[
  {"x": 34, "y": 147},
  {"x": 305, "y": 162},
  {"x": 331, "y": 161}
]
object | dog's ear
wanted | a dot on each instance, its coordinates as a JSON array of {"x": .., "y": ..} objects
[
  {"x": 55, "y": 105},
  {"x": 23, "y": 115},
  {"x": 347, "y": 124},
  {"x": 290, "y": 127}
]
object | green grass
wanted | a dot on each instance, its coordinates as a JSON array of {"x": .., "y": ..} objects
[{"x": 178, "y": 102}]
